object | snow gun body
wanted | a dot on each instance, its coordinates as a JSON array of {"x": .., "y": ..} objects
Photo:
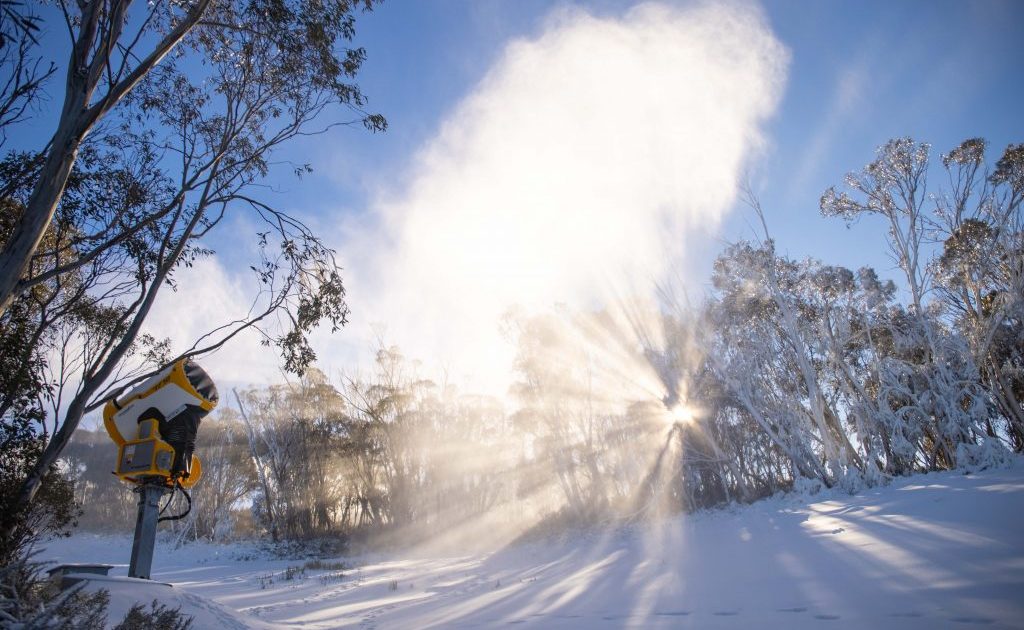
[{"x": 155, "y": 424}]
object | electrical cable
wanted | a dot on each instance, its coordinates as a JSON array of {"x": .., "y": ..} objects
[
  {"x": 170, "y": 498},
  {"x": 177, "y": 517}
]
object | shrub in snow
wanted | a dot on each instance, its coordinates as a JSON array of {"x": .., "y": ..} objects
[
  {"x": 30, "y": 600},
  {"x": 158, "y": 617},
  {"x": 990, "y": 453},
  {"x": 806, "y": 487}
]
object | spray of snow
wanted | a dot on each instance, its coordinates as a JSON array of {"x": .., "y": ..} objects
[
  {"x": 553, "y": 199},
  {"x": 592, "y": 153}
]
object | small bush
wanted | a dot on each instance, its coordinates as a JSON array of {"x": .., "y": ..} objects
[
  {"x": 322, "y": 565},
  {"x": 29, "y": 600},
  {"x": 331, "y": 578},
  {"x": 295, "y": 573},
  {"x": 158, "y": 617}
]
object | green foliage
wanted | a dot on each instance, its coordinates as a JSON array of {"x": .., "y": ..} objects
[
  {"x": 53, "y": 513},
  {"x": 23, "y": 388},
  {"x": 16, "y": 24}
]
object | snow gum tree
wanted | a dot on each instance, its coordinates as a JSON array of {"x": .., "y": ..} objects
[
  {"x": 773, "y": 365},
  {"x": 170, "y": 115},
  {"x": 980, "y": 272},
  {"x": 936, "y": 372}
]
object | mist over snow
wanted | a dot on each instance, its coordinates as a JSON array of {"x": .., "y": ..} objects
[{"x": 583, "y": 165}]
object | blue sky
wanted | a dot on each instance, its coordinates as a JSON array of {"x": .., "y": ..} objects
[
  {"x": 852, "y": 76},
  {"x": 860, "y": 73}
]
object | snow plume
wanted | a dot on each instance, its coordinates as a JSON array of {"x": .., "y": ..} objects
[
  {"x": 595, "y": 151},
  {"x": 522, "y": 254}
]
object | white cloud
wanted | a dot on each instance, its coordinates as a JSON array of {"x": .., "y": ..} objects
[{"x": 594, "y": 151}]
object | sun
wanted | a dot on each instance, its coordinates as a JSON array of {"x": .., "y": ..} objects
[{"x": 681, "y": 413}]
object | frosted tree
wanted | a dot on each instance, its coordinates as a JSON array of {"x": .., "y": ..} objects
[
  {"x": 228, "y": 477},
  {"x": 938, "y": 380},
  {"x": 762, "y": 358},
  {"x": 980, "y": 272},
  {"x": 290, "y": 430}
]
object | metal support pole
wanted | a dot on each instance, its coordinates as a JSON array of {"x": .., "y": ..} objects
[{"x": 145, "y": 529}]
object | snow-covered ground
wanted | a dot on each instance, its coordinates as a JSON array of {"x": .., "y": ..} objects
[{"x": 934, "y": 551}]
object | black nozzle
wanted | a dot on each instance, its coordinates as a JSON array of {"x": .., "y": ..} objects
[{"x": 180, "y": 432}]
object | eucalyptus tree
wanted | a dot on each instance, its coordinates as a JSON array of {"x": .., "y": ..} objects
[
  {"x": 21, "y": 64},
  {"x": 938, "y": 381},
  {"x": 43, "y": 332},
  {"x": 755, "y": 357},
  {"x": 115, "y": 46},
  {"x": 182, "y": 141},
  {"x": 105, "y": 64},
  {"x": 980, "y": 272},
  {"x": 228, "y": 477}
]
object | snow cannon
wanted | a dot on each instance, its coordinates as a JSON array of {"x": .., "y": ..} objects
[{"x": 155, "y": 424}]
